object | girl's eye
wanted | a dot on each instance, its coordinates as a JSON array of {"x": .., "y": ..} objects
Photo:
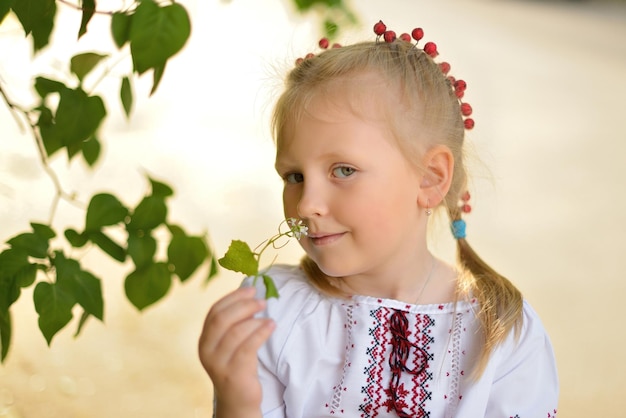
[
  {"x": 343, "y": 171},
  {"x": 294, "y": 178}
]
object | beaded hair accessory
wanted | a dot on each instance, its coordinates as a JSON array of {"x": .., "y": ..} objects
[
  {"x": 430, "y": 49},
  {"x": 458, "y": 225}
]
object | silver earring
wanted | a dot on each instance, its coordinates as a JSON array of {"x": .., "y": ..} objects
[{"x": 428, "y": 209}]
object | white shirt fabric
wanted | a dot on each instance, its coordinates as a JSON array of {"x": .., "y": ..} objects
[{"x": 332, "y": 357}]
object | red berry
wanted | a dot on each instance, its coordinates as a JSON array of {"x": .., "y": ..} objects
[
  {"x": 459, "y": 93},
  {"x": 380, "y": 28},
  {"x": 431, "y": 49},
  {"x": 309, "y": 55},
  {"x": 324, "y": 43},
  {"x": 417, "y": 34},
  {"x": 445, "y": 67},
  {"x": 389, "y": 36},
  {"x": 466, "y": 208},
  {"x": 466, "y": 196},
  {"x": 466, "y": 109},
  {"x": 451, "y": 79},
  {"x": 405, "y": 37},
  {"x": 336, "y": 45},
  {"x": 299, "y": 61},
  {"x": 460, "y": 85},
  {"x": 469, "y": 123}
]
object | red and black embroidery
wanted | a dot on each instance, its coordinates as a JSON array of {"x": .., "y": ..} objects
[{"x": 404, "y": 344}]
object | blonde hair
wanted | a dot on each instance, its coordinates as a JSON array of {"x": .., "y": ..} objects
[{"x": 427, "y": 100}]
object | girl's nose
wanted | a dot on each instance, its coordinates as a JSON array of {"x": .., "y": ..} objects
[{"x": 312, "y": 201}]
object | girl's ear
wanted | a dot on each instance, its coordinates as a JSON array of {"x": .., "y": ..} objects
[{"x": 439, "y": 167}]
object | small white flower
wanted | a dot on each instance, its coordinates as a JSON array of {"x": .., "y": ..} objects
[{"x": 296, "y": 228}]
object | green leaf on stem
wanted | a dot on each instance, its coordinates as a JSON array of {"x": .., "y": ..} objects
[
  {"x": 91, "y": 150},
  {"x": 160, "y": 189},
  {"x": 157, "y": 75},
  {"x": 185, "y": 253},
  {"x": 85, "y": 288},
  {"x": 5, "y": 333},
  {"x": 33, "y": 244},
  {"x": 45, "y": 86},
  {"x": 213, "y": 270},
  {"x": 15, "y": 272},
  {"x": 126, "y": 95},
  {"x": 148, "y": 285},
  {"x": 54, "y": 306},
  {"x": 270, "y": 287},
  {"x": 141, "y": 248},
  {"x": 157, "y": 33},
  {"x": 81, "y": 323},
  {"x": 82, "y": 64},
  {"x": 240, "y": 258},
  {"x": 104, "y": 209},
  {"x": 89, "y": 8},
  {"x": 78, "y": 116},
  {"x": 76, "y": 239},
  {"x": 107, "y": 245},
  {"x": 150, "y": 213},
  {"x": 5, "y": 7},
  {"x": 120, "y": 28},
  {"x": 37, "y": 18}
]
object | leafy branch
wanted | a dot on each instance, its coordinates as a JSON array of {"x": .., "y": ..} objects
[
  {"x": 240, "y": 258},
  {"x": 67, "y": 118}
]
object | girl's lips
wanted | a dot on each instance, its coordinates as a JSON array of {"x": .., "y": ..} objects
[{"x": 324, "y": 239}]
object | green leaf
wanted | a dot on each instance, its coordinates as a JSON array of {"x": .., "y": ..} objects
[
  {"x": 89, "y": 8},
  {"x": 270, "y": 287},
  {"x": 85, "y": 288},
  {"x": 91, "y": 150},
  {"x": 81, "y": 323},
  {"x": 157, "y": 33},
  {"x": 43, "y": 231},
  {"x": 15, "y": 272},
  {"x": 36, "y": 243},
  {"x": 37, "y": 18},
  {"x": 104, "y": 209},
  {"x": 76, "y": 239},
  {"x": 213, "y": 270},
  {"x": 5, "y": 7},
  {"x": 148, "y": 285},
  {"x": 54, "y": 307},
  {"x": 160, "y": 189},
  {"x": 126, "y": 95},
  {"x": 240, "y": 258},
  {"x": 49, "y": 134},
  {"x": 5, "y": 333},
  {"x": 82, "y": 64},
  {"x": 33, "y": 244},
  {"x": 107, "y": 245},
  {"x": 120, "y": 28},
  {"x": 157, "y": 75},
  {"x": 186, "y": 254},
  {"x": 45, "y": 86},
  {"x": 78, "y": 116},
  {"x": 150, "y": 213},
  {"x": 141, "y": 248}
]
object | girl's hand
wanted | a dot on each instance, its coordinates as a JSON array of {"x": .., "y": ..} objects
[{"x": 228, "y": 348}]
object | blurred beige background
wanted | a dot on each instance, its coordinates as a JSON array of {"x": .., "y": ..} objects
[{"x": 546, "y": 82}]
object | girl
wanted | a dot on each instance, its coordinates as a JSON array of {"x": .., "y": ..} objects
[{"x": 369, "y": 142}]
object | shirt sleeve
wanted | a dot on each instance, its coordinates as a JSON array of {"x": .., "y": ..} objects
[
  {"x": 294, "y": 293},
  {"x": 526, "y": 381}
]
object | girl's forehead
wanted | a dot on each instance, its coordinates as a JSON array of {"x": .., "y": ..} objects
[{"x": 366, "y": 95}]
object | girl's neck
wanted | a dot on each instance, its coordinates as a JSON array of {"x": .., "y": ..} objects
[{"x": 426, "y": 282}]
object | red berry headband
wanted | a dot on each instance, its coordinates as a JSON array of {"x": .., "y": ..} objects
[{"x": 430, "y": 49}]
